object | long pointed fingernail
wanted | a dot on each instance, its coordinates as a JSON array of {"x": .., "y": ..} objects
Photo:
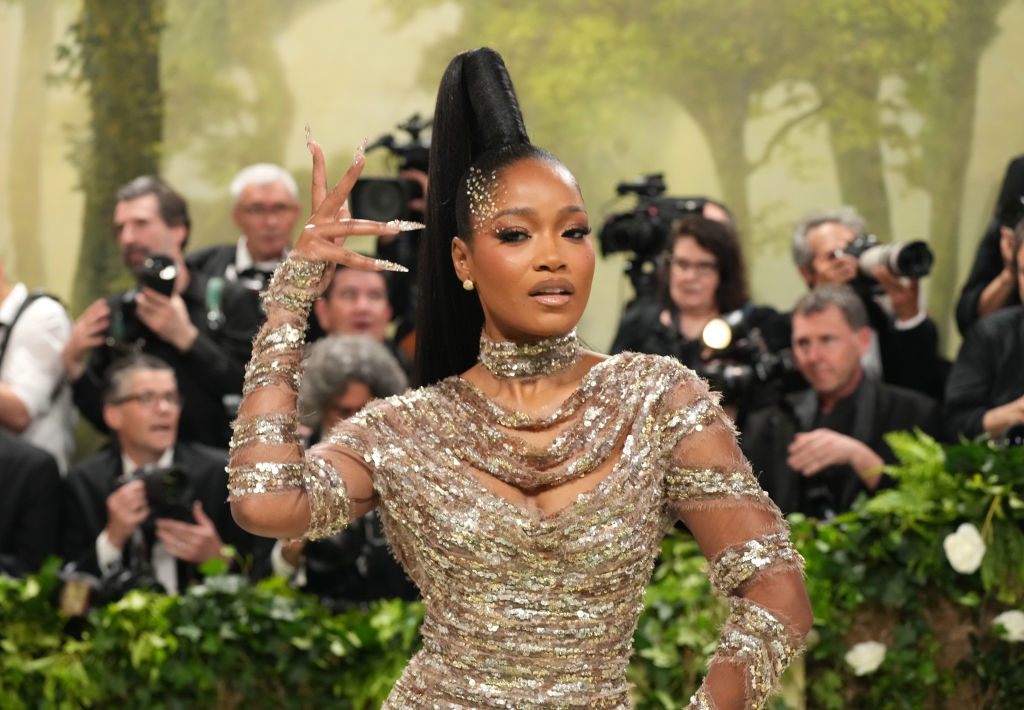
[
  {"x": 403, "y": 225},
  {"x": 309, "y": 138},
  {"x": 385, "y": 265},
  {"x": 361, "y": 150}
]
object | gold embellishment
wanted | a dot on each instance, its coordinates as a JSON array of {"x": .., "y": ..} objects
[
  {"x": 753, "y": 636},
  {"x": 263, "y": 477},
  {"x": 276, "y": 339},
  {"x": 693, "y": 484},
  {"x": 295, "y": 284},
  {"x": 701, "y": 701},
  {"x": 481, "y": 189},
  {"x": 328, "y": 498},
  {"x": 274, "y": 372},
  {"x": 507, "y": 359},
  {"x": 271, "y": 429},
  {"x": 737, "y": 564}
]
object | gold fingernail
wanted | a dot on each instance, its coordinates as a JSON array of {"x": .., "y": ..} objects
[
  {"x": 404, "y": 225},
  {"x": 361, "y": 150},
  {"x": 385, "y": 265}
]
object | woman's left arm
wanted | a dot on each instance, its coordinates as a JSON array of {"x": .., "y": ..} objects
[{"x": 746, "y": 541}]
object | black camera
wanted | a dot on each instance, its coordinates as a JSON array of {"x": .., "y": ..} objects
[
  {"x": 386, "y": 198},
  {"x": 741, "y": 362},
  {"x": 169, "y": 491},
  {"x": 912, "y": 259},
  {"x": 644, "y": 229},
  {"x": 157, "y": 272}
]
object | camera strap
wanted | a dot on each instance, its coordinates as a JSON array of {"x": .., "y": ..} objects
[
  {"x": 214, "y": 292},
  {"x": 29, "y": 299}
]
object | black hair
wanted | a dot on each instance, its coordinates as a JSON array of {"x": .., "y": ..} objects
[
  {"x": 172, "y": 206},
  {"x": 721, "y": 240},
  {"x": 477, "y": 123},
  {"x": 338, "y": 268},
  {"x": 117, "y": 374}
]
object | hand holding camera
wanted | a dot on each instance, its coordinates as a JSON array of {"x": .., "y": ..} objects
[{"x": 195, "y": 543}]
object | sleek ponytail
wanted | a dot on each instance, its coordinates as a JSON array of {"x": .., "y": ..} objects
[{"x": 476, "y": 120}]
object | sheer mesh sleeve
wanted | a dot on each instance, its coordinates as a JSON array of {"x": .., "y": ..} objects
[
  {"x": 319, "y": 490},
  {"x": 711, "y": 488}
]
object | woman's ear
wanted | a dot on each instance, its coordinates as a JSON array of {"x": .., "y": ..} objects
[{"x": 461, "y": 259}]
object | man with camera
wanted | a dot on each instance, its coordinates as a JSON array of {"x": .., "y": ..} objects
[
  {"x": 835, "y": 248},
  {"x": 985, "y": 392},
  {"x": 816, "y": 450},
  {"x": 148, "y": 509},
  {"x": 202, "y": 326},
  {"x": 266, "y": 208}
]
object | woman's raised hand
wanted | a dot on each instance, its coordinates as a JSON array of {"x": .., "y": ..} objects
[{"x": 330, "y": 223}]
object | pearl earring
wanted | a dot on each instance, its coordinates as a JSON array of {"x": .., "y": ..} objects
[{"x": 468, "y": 284}]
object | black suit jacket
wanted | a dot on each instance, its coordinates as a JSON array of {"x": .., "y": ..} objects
[
  {"x": 881, "y": 408},
  {"x": 29, "y": 506},
  {"x": 214, "y": 366},
  {"x": 90, "y": 482},
  {"x": 988, "y": 260}
]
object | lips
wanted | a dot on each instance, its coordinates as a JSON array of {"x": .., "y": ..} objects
[{"x": 553, "y": 292}]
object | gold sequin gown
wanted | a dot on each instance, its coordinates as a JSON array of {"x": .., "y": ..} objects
[{"x": 532, "y": 610}]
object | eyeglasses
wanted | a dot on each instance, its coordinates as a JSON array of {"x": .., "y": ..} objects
[
  {"x": 702, "y": 268},
  {"x": 258, "y": 209},
  {"x": 149, "y": 398}
]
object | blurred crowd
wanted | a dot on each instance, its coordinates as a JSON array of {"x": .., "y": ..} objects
[{"x": 158, "y": 370}]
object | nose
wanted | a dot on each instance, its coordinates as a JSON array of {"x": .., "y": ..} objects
[{"x": 549, "y": 253}]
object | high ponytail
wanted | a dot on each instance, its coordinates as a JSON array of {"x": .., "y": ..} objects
[{"x": 477, "y": 116}]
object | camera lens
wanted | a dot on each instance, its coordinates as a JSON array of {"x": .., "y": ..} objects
[
  {"x": 914, "y": 260},
  {"x": 382, "y": 199}
]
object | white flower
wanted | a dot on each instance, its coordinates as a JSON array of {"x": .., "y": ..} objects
[
  {"x": 1013, "y": 622},
  {"x": 964, "y": 549},
  {"x": 865, "y": 657}
]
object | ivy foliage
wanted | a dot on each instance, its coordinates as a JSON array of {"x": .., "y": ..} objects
[{"x": 878, "y": 573}]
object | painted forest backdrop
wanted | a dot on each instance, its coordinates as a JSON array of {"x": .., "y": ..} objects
[{"x": 907, "y": 109}]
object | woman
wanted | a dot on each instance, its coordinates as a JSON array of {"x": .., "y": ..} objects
[
  {"x": 526, "y": 486},
  {"x": 704, "y": 278}
]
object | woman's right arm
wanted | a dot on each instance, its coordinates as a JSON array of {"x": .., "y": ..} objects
[{"x": 276, "y": 488}]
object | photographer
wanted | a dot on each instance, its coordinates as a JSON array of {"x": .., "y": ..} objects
[
  {"x": 404, "y": 198},
  {"x": 265, "y": 210},
  {"x": 827, "y": 249},
  {"x": 985, "y": 392},
  {"x": 29, "y": 508},
  {"x": 147, "y": 510},
  {"x": 201, "y": 326},
  {"x": 992, "y": 282},
  {"x": 705, "y": 279},
  {"x": 816, "y": 450}
]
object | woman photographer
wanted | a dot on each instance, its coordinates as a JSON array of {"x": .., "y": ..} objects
[
  {"x": 703, "y": 279},
  {"x": 526, "y": 485}
]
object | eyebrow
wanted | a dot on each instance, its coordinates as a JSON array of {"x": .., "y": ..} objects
[{"x": 527, "y": 211}]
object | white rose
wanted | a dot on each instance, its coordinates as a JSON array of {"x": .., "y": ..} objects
[
  {"x": 1013, "y": 622},
  {"x": 865, "y": 657},
  {"x": 964, "y": 549}
]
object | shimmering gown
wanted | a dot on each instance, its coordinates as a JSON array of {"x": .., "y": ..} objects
[{"x": 526, "y": 609}]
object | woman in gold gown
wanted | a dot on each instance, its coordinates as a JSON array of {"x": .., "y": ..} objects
[{"x": 526, "y": 484}]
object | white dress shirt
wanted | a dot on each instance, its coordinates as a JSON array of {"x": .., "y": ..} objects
[
  {"x": 165, "y": 566},
  {"x": 32, "y": 368}
]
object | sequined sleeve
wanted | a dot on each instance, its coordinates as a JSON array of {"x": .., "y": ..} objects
[
  {"x": 267, "y": 456},
  {"x": 710, "y": 486}
]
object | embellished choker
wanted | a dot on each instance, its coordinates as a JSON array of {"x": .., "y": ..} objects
[{"x": 546, "y": 356}]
